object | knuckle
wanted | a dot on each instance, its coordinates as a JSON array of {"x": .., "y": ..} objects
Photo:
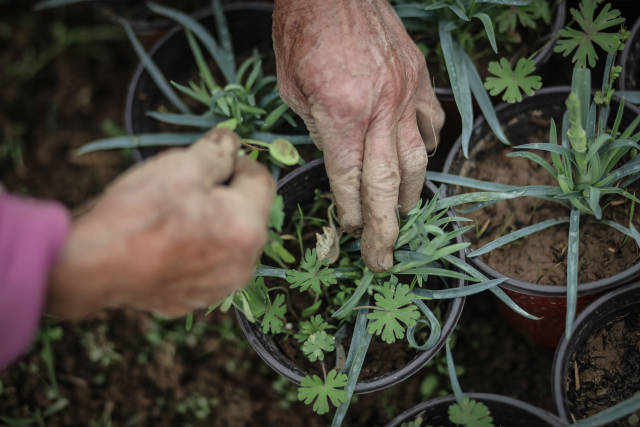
[
  {"x": 416, "y": 158},
  {"x": 347, "y": 100}
]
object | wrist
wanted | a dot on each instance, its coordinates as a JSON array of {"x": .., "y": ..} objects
[{"x": 79, "y": 280}]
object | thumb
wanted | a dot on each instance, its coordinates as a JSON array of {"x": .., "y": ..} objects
[{"x": 215, "y": 154}]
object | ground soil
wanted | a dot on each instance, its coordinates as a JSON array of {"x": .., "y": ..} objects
[
  {"x": 607, "y": 365},
  {"x": 160, "y": 366},
  {"x": 541, "y": 257}
]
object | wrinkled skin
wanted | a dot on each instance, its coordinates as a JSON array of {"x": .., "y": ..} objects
[
  {"x": 168, "y": 236},
  {"x": 361, "y": 85}
]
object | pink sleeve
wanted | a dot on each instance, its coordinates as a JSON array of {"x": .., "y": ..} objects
[{"x": 32, "y": 233}]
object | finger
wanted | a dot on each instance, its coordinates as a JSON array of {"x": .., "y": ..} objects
[
  {"x": 343, "y": 152},
  {"x": 254, "y": 181},
  {"x": 429, "y": 113},
  {"x": 380, "y": 186},
  {"x": 215, "y": 153},
  {"x": 412, "y": 159}
]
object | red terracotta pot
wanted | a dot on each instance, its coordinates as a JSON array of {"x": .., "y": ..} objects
[
  {"x": 546, "y": 301},
  {"x": 549, "y": 329}
]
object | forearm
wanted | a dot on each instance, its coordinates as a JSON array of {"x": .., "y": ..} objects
[{"x": 32, "y": 234}]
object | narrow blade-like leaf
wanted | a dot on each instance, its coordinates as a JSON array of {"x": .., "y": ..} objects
[
  {"x": 153, "y": 70},
  {"x": 458, "y": 292},
  {"x": 518, "y": 234},
  {"x": 141, "y": 140},
  {"x": 217, "y": 53},
  {"x": 458, "y": 79},
  {"x": 434, "y": 327},
  {"x": 573, "y": 259}
]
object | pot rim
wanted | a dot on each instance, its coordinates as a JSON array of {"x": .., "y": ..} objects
[
  {"x": 545, "y": 51},
  {"x": 155, "y": 48},
  {"x": 521, "y": 286},
  {"x": 551, "y": 419},
  {"x": 562, "y": 351},
  {"x": 625, "y": 54},
  {"x": 452, "y": 317}
]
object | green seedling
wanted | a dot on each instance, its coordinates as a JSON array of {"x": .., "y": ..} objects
[
  {"x": 247, "y": 101},
  {"x": 460, "y": 26}
]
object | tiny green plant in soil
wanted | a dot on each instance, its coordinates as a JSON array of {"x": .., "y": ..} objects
[
  {"x": 340, "y": 293},
  {"x": 464, "y": 411},
  {"x": 590, "y": 163},
  {"x": 462, "y": 24},
  {"x": 248, "y": 101}
]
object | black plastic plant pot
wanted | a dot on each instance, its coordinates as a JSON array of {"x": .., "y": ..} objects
[
  {"x": 250, "y": 28},
  {"x": 543, "y": 55},
  {"x": 505, "y": 411},
  {"x": 617, "y": 305},
  {"x": 144, "y": 22},
  {"x": 298, "y": 187},
  {"x": 546, "y": 301},
  {"x": 630, "y": 61}
]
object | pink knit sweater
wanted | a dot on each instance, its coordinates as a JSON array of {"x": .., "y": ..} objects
[{"x": 32, "y": 234}]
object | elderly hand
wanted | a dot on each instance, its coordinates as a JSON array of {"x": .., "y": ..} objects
[
  {"x": 168, "y": 236},
  {"x": 350, "y": 70}
]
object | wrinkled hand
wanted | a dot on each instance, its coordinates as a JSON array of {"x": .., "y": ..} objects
[
  {"x": 350, "y": 70},
  {"x": 168, "y": 236}
]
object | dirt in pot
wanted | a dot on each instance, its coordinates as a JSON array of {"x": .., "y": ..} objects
[
  {"x": 541, "y": 257},
  {"x": 605, "y": 370},
  {"x": 381, "y": 359}
]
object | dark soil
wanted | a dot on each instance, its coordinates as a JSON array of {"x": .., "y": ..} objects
[
  {"x": 606, "y": 369},
  {"x": 541, "y": 257},
  {"x": 161, "y": 370}
]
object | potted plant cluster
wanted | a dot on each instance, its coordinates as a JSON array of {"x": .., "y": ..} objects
[
  {"x": 468, "y": 43},
  {"x": 589, "y": 172},
  {"x": 334, "y": 327}
]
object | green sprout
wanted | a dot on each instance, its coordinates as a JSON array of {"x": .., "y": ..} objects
[
  {"x": 247, "y": 101},
  {"x": 512, "y": 81}
]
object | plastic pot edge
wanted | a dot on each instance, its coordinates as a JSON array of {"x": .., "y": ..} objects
[
  {"x": 140, "y": 69},
  {"x": 551, "y": 419},
  {"x": 563, "y": 349}
]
